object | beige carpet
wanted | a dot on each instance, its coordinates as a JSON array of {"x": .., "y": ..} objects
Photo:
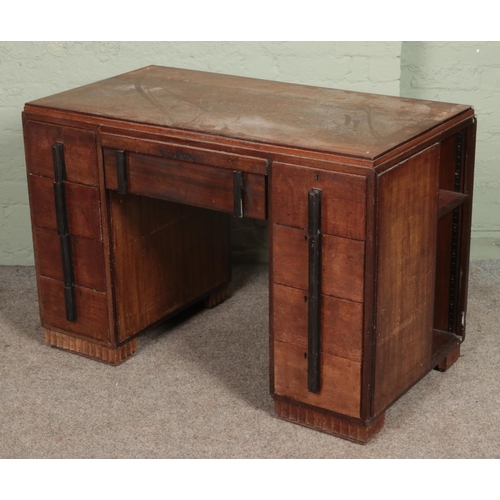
[{"x": 199, "y": 388}]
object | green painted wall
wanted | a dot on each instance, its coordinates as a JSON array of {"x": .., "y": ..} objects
[
  {"x": 32, "y": 70},
  {"x": 467, "y": 73}
]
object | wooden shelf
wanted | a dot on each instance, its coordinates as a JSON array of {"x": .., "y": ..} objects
[
  {"x": 442, "y": 344},
  {"x": 448, "y": 200}
]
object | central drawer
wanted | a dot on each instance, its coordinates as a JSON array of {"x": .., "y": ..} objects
[{"x": 180, "y": 181}]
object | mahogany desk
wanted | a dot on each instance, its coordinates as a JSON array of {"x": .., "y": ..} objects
[{"x": 132, "y": 181}]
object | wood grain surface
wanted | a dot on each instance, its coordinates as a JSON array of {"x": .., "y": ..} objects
[
  {"x": 91, "y": 306},
  {"x": 190, "y": 183},
  {"x": 340, "y": 380},
  {"x": 89, "y": 349},
  {"x": 341, "y": 322},
  {"x": 84, "y": 211},
  {"x": 343, "y": 201},
  {"x": 165, "y": 255},
  {"x": 312, "y": 118},
  {"x": 80, "y": 151},
  {"x": 407, "y": 209},
  {"x": 185, "y": 151},
  {"x": 387, "y": 195},
  {"x": 323, "y": 421},
  {"x": 342, "y": 263},
  {"x": 88, "y": 259}
]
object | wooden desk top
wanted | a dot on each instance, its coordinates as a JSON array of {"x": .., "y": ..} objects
[{"x": 332, "y": 121}]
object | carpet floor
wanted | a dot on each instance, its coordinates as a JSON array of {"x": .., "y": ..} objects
[{"x": 198, "y": 387}]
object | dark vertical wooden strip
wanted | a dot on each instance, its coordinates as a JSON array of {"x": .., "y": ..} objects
[
  {"x": 58, "y": 160},
  {"x": 238, "y": 194},
  {"x": 455, "y": 235},
  {"x": 70, "y": 302},
  {"x": 67, "y": 260},
  {"x": 63, "y": 230},
  {"x": 121, "y": 171},
  {"x": 314, "y": 313},
  {"x": 61, "y": 208}
]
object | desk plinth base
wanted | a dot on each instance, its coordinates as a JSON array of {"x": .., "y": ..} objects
[
  {"x": 330, "y": 424},
  {"x": 90, "y": 349}
]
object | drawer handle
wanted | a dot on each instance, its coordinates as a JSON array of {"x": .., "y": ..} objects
[
  {"x": 314, "y": 299},
  {"x": 63, "y": 230},
  {"x": 121, "y": 172},
  {"x": 238, "y": 194}
]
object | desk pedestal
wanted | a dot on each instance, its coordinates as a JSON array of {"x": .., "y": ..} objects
[{"x": 110, "y": 265}]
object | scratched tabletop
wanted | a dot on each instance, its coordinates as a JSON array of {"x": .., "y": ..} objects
[{"x": 333, "y": 121}]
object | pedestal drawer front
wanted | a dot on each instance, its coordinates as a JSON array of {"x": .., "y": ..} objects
[
  {"x": 205, "y": 186},
  {"x": 80, "y": 151},
  {"x": 91, "y": 306},
  {"x": 88, "y": 259},
  {"x": 343, "y": 200},
  {"x": 83, "y": 207},
  {"x": 342, "y": 263},
  {"x": 341, "y": 380},
  {"x": 341, "y": 322}
]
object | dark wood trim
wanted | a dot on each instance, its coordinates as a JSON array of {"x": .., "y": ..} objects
[
  {"x": 238, "y": 191},
  {"x": 63, "y": 230},
  {"x": 121, "y": 171},
  {"x": 314, "y": 297},
  {"x": 456, "y": 247}
]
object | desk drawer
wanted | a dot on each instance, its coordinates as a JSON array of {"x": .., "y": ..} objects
[
  {"x": 87, "y": 257},
  {"x": 83, "y": 206},
  {"x": 341, "y": 322},
  {"x": 185, "y": 182},
  {"x": 343, "y": 200},
  {"x": 342, "y": 263},
  {"x": 341, "y": 380},
  {"x": 91, "y": 307},
  {"x": 80, "y": 151}
]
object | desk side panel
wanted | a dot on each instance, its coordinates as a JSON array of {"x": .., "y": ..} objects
[{"x": 407, "y": 219}]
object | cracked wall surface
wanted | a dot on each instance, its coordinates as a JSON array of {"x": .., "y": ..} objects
[{"x": 30, "y": 70}]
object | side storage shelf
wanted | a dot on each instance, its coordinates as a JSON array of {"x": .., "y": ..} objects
[
  {"x": 448, "y": 201},
  {"x": 453, "y": 235}
]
